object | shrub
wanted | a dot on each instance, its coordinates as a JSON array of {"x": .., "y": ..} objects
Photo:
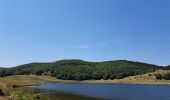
[
  {"x": 37, "y": 96},
  {"x": 158, "y": 76},
  {"x": 166, "y": 76}
]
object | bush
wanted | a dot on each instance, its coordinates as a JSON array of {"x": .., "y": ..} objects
[
  {"x": 149, "y": 74},
  {"x": 20, "y": 95},
  {"x": 158, "y": 76},
  {"x": 166, "y": 76},
  {"x": 37, "y": 96}
]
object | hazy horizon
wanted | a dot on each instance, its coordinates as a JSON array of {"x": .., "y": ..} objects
[{"x": 91, "y": 30}]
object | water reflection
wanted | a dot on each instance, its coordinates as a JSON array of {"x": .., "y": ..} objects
[{"x": 55, "y": 95}]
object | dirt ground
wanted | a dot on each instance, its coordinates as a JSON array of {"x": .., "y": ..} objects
[{"x": 4, "y": 98}]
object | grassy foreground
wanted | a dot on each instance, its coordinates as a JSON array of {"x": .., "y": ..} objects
[{"x": 9, "y": 85}]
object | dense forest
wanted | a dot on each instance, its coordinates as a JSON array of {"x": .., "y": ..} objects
[{"x": 82, "y": 70}]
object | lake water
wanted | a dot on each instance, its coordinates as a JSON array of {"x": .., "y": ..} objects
[{"x": 87, "y": 91}]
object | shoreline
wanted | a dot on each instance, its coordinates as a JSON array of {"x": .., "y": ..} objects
[
  {"x": 30, "y": 80},
  {"x": 10, "y": 83},
  {"x": 105, "y": 82}
]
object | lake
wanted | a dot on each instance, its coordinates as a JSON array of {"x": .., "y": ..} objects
[{"x": 88, "y": 91}]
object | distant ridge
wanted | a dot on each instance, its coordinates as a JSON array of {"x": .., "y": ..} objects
[{"x": 75, "y": 69}]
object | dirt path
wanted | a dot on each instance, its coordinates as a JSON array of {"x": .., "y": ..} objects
[{"x": 4, "y": 98}]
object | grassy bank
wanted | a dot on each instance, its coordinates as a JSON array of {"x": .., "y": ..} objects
[{"x": 9, "y": 86}]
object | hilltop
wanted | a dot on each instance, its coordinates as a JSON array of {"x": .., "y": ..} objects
[{"x": 82, "y": 70}]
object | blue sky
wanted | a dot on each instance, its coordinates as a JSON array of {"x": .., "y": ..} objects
[{"x": 92, "y": 30}]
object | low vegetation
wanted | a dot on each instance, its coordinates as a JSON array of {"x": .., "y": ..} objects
[
  {"x": 11, "y": 87},
  {"x": 21, "y": 95},
  {"x": 165, "y": 76}
]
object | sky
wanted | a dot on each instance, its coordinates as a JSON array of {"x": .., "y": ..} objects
[{"x": 91, "y": 30}]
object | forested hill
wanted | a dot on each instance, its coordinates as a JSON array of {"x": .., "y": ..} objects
[{"x": 82, "y": 70}]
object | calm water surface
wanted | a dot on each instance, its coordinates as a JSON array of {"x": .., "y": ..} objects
[{"x": 87, "y": 91}]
